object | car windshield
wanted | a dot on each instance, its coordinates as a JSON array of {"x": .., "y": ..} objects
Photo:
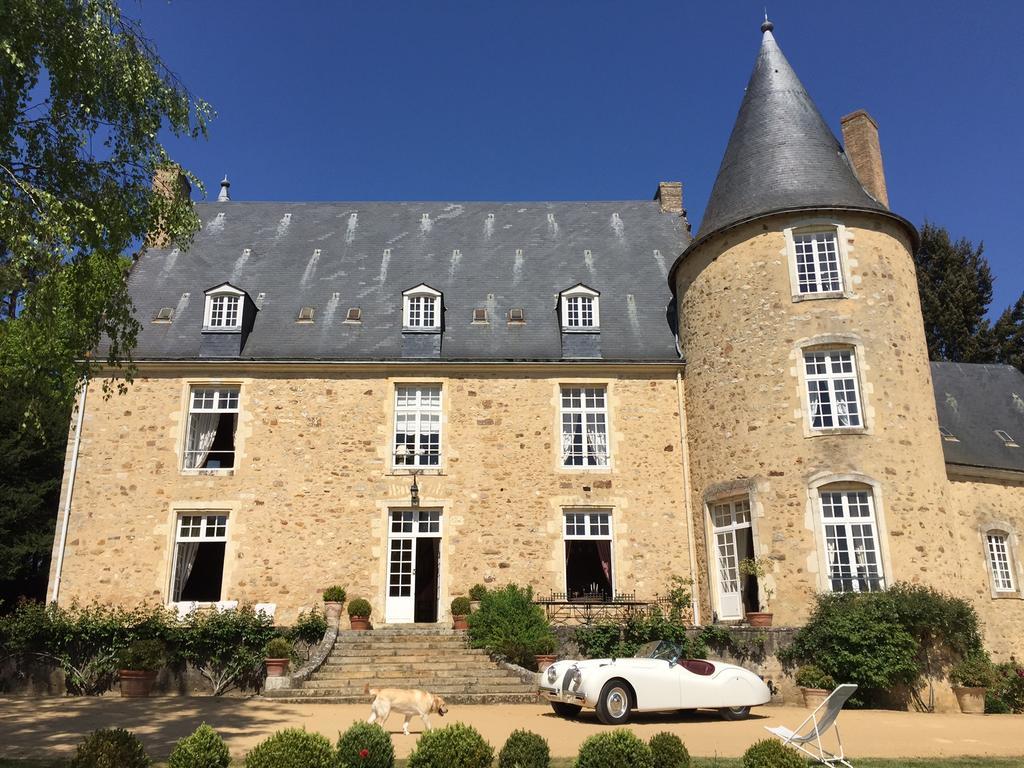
[{"x": 659, "y": 649}]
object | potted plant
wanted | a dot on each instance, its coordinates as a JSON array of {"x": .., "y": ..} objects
[
  {"x": 359, "y": 613},
  {"x": 476, "y": 594},
  {"x": 970, "y": 678},
  {"x": 139, "y": 663},
  {"x": 334, "y": 598},
  {"x": 815, "y": 685},
  {"x": 277, "y": 655},
  {"x": 758, "y": 568},
  {"x": 544, "y": 652},
  {"x": 460, "y": 610}
]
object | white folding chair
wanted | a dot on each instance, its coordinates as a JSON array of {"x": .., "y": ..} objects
[
  {"x": 816, "y": 726},
  {"x": 269, "y": 609},
  {"x": 225, "y": 605}
]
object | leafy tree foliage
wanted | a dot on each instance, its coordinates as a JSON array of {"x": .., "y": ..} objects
[
  {"x": 954, "y": 281},
  {"x": 83, "y": 100},
  {"x": 510, "y": 624}
]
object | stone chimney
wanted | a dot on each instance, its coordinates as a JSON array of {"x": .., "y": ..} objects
[
  {"x": 670, "y": 195},
  {"x": 860, "y": 135},
  {"x": 171, "y": 184}
]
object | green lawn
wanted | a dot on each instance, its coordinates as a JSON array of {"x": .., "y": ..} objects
[{"x": 700, "y": 762}]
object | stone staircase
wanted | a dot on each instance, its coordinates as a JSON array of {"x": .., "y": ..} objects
[{"x": 433, "y": 658}]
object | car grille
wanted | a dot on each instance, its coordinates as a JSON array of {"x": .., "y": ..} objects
[{"x": 567, "y": 679}]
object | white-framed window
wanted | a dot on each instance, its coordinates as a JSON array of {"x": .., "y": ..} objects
[
  {"x": 421, "y": 309},
  {"x": 818, "y": 269},
  {"x": 580, "y": 310},
  {"x": 733, "y": 543},
  {"x": 212, "y": 421},
  {"x": 584, "y": 426},
  {"x": 223, "y": 308},
  {"x": 198, "y": 567},
  {"x": 997, "y": 546},
  {"x": 417, "y": 425},
  {"x": 852, "y": 555},
  {"x": 588, "y": 555},
  {"x": 833, "y": 394}
]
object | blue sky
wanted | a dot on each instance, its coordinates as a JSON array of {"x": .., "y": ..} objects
[{"x": 524, "y": 100}]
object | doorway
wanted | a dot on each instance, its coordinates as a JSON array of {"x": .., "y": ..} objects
[
  {"x": 733, "y": 543},
  {"x": 414, "y": 566}
]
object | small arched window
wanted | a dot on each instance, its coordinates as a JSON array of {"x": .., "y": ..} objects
[
  {"x": 223, "y": 308},
  {"x": 579, "y": 309},
  {"x": 421, "y": 309}
]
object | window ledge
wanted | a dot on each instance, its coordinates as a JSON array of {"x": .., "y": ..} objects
[
  {"x": 1007, "y": 596},
  {"x": 606, "y": 469},
  {"x": 833, "y": 431},
  {"x": 586, "y": 329},
  {"x": 421, "y": 471},
  {"x": 420, "y": 330},
  {"x": 822, "y": 295},
  {"x": 237, "y": 329},
  {"x": 226, "y": 472}
]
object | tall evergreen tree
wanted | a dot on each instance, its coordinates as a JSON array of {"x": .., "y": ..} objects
[{"x": 1008, "y": 335}]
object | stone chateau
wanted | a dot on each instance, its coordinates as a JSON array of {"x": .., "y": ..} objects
[{"x": 410, "y": 398}]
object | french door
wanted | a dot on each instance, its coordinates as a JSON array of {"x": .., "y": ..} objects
[
  {"x": 414, "y": 548},
  {"x": 733, "y": 543}
]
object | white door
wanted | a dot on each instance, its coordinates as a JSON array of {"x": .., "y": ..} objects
[
  {"x": 405, "y": 526},
  {"x": 729, "y": 518}
]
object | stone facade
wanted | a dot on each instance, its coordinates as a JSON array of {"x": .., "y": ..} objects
[{"x": 309, "y": 497}]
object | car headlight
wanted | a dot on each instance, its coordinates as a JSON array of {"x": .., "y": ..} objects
[
  {"x": 576, "y": 679},
  {"x": 552, "y": 674}
]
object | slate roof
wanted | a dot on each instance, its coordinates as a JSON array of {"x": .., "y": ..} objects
[
  {"x": 975, "y": 400},
  {"x": 622, "y": 249},
  {"x": 781, "y": 155}
]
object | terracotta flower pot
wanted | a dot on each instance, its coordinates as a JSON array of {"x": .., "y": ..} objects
[
  {"x": 136, "y": 684},
  {"x": 545, "y": 660},
  {"x": 971, "y": 700},
  {"x": 333, "y": 613},
  {"x": 813, "y": 697},
  {"x": 359, "y": 622},
  {"x": 276, "y": 667},
  {"x": 474, "y": 606},
  {"x": 459, "y": 622},
  {"x": 759, "y": 619}
]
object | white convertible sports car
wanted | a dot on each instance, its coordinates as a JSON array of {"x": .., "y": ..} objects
[{"x": 655, "y": 680}]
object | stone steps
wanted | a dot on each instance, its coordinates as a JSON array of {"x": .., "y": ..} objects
[{"x": 303, "y": 696}]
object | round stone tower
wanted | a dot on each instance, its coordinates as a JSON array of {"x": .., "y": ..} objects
[{"x": 815, "y": 454}]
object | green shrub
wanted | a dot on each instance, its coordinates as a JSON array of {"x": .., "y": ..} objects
[
  {"x": 227, "y": 646},
  {"x": 524, "y": 749},
  {"x": 811, "y": 676},
  {"x": 769, "y": 753},
  {"x": 460, "y": 606},
  {"x": 278, "y": 648},
  {"x": 974, "y": 671},
  {"x": 455, "y": 746},
  {"x": 614, "y": 749},
  {"x": 292, "y": 748},
  {"x": 203, "y": 748},
  {"x": 334, "y": 594},
  {"x": 477, "y": 592},
  {"x": 365, "y": 745},
  {"x": 1007, "y": 691},
  {"x": 510, "y": 624},
  {"x": 668, "y": 751},
  {"x": 359, "y": 607},
  {"x": 309, "y": 628},
  {"x": 143, "y": 656},
  {"x": 111, "y": 748}
]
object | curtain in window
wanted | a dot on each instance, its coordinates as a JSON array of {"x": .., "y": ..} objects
[
  {"x": 202, "y": 431},
  {"x": 597, "y": 442},
  {"x": 187, "y": 551},
  {"x": 604, "y": 551}
]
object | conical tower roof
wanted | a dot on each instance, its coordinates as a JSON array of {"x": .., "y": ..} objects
[{"x": 781, "y": 154}]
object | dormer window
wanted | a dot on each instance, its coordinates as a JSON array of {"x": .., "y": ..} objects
[
  {"x": 579, "y": 309},
  {"x": 223, "y": 308},
  {"x": 422, "y": 309}
]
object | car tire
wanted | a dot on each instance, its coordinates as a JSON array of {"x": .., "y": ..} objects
[
  {"x": 615, "y": 704},
  {"x": 734, "y": 713},
  {"x": 562, "y": 709}
]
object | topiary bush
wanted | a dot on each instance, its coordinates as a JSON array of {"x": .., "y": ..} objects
[
  {"x": 668, "y": 751},
  {"x": 510, "y": 624},
  {"x": 365, "y": 745},
  {"x": 477, "y": 592},
  {"x": 769, "y": 753},
  {"x": 455, "y": 746},
  {"x": 359, "y": 607},
  {"x": 203, "y": 748},
  {"x": 278, "y": 648},
  {"x": 524, "y": 749},
  {"x": 292, "y": 748},
  {"x": 334, "y": 594},
  {"x": 111, "y": 748},
  {"x": 614, "y": 749},
  {"x": 460, "y": 606}
]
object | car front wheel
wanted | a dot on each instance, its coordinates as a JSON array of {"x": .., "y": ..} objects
[
  {"x": 563, "y": 709},
  {"x": 614, "y": 704},
  {"x": 734, "y": 713}
]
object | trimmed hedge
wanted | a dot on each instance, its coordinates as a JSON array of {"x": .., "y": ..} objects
[
  {"x": 524, "y": 749},
  {"x": 770, "y": 753},
  {"x": 111, "y": 748},
  {"x": 365, "y": 745},
  {"x": 455, "y": 746},
  {"x": 668, "y": 751},
  {"x": 292, "y": 748},
  {"x": 614, "y": 749},
  {"x": 203, "y": 748}
]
